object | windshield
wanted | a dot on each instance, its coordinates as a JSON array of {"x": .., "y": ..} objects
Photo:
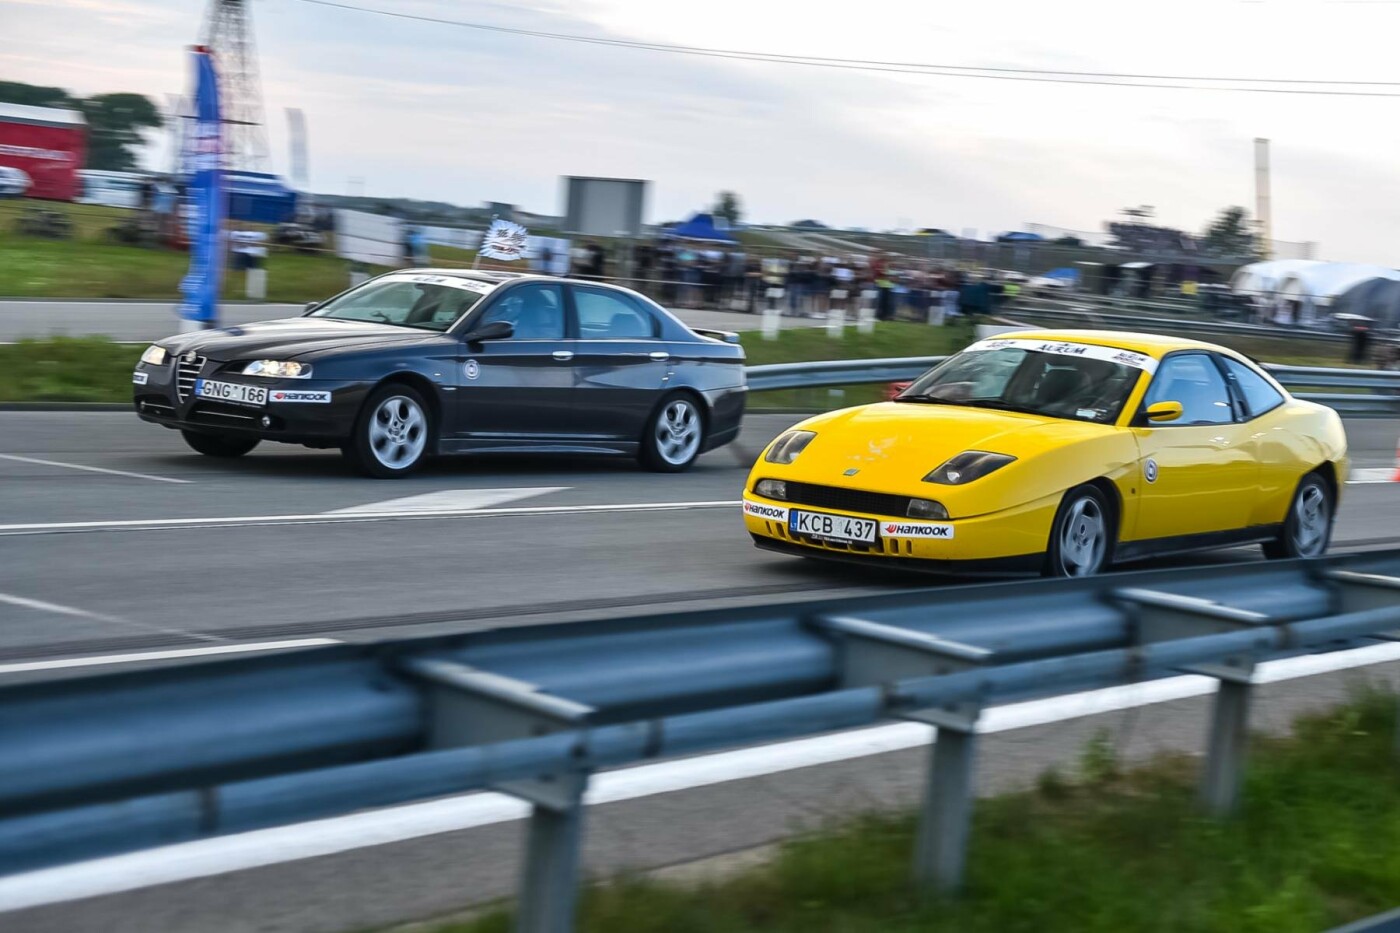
[
  {"x": 1059, "y": 380},
  {"x": 430, "y": 302}
]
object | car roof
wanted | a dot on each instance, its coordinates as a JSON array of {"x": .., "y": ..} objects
[
  {"x": 498, "y": 278},
  {"x": 1153, "y": 345}
]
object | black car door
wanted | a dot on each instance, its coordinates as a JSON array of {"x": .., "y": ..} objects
[
  {"x": 518, "y": 388},
  {"x": 620, "y": 363}
]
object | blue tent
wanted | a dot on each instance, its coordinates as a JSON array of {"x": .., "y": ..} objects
[
  {"x": 700, "y": 227},
  {"x": 257, "y": 198},
  {"x": 1020, "y": 238},
  {"x": 1064, "y": 274}
]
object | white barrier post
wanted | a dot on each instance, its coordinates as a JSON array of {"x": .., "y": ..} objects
[
  {"x": 772, "y": 315},
  {"x": 836, "y": 314},
  {"x": 865, "y": 317},
  {"x": 256, "y": 284}
]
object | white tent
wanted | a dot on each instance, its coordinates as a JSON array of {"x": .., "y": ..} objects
[
  {"x": 1301, "y": 290},
  {"x": 1264, "y": 278}
]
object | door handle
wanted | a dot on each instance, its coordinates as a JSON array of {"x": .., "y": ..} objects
[
  {"x": 659, "y": 355},
  {"x": 563, "y": 355}
]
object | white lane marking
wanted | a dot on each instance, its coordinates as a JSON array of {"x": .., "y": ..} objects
[
  {"x": 330, "y": 518},
  {"x": 58, "y": 609},
  {"x": 1371, "y": 475},
  {"x": 40, "y": 605},
  {"x": 451, "y": 500},
  {"x": 93, "y": 469},
  {"x": 209, "y": 857},
  {"x": 21, "y": 667}
]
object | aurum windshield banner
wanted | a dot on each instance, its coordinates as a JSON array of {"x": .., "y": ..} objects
[{"x": 203, "y": 172}]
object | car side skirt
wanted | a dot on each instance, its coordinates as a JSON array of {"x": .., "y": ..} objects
[{"x": 1129, "y": 551}]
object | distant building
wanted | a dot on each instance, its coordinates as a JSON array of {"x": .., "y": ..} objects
[{"x": 48, "y": 144}]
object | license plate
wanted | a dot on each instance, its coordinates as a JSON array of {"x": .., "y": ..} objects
[
  {"x": 230, "y": 392},
  {"x": 832, "y": 527}
]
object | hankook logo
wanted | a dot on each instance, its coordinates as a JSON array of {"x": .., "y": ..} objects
[
  {"x": 765, "y": 511},
  {"x": 918, "y": 531}
]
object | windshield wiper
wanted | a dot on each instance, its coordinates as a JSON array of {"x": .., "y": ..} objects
[
  {"x": 924, "y": 400},
  {"x": 999, "y": 405}
]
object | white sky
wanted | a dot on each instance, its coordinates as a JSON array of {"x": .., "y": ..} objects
[{"x": 460, "y": 115}]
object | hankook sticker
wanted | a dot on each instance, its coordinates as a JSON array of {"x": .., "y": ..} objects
[
  {"x": 925, "y": 530},
  {"x": 299, "y": 395},
  {"x": 773, "y": 513}
]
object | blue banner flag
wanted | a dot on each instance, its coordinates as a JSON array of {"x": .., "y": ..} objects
[{"x": 203, "y": 171}]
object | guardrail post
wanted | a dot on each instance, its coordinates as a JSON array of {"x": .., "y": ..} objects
[
  {"x": 835, "y": 319},
  {"x": 1225, "y": 753},
  {"x": 875, "y": 653},
  {"x": 865, "y": 316},
  {"x": 940, "y": 848},
  {"x": 474, "y": 707}
]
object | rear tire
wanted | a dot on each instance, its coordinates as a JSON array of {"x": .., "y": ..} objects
[
  {"x": 674, "y": 436},
  {"x": 225, "y": 446},
  {"x": 393, "y": 434},
  {"x": 1081, "y": 537},
  {"x": 1307, "y": 531}
]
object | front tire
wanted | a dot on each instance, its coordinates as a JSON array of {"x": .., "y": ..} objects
[
  {"x": 224, "y": 446},
  {"x": 1081, "y": 537},
  {"x": 1307, "y": 531},
  {"x": 392, "y": 435},
  {"x": 674, "y": 436}
]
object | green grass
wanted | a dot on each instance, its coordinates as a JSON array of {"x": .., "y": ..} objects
[
  {"x": 67, "y": 369},
  {"x": 1317, "y": 844},
  {"x": 89, "y": 266}
]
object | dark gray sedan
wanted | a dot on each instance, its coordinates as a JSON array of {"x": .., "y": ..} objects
[{"x": 435, "y": 361}]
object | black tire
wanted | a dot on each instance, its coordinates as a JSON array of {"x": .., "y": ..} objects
[
  {"x": 219, "y": 445},
  {"x": 1307, "y": 531},
  {"x": 393, "y": 434},
  {"x": 1082, "y": 535},
  {"x": 675, "y": 434}
]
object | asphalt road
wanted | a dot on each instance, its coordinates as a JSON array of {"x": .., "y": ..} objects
[
  {"x": 114, "y": 536},
  {"x": 139, "y": 321}
]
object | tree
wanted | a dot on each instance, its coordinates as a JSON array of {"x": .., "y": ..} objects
[
  {"x": 115, "y": 121},
  {"x": 727, "y": 206},
  {"x": 1230, "y": 234}
]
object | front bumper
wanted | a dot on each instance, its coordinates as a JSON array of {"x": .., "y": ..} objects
[
  {"x": 1017, "y": 534},
  {"x": 158, "y": 401}
]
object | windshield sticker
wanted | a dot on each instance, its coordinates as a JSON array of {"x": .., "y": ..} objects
[
  {"x": 1063, "y": 348},
  {"x": 451, "y": 281}
]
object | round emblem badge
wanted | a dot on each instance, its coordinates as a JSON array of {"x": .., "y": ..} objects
[
  {"x": 1149, "y": 470},
  {"x": 472, "y": 369}
]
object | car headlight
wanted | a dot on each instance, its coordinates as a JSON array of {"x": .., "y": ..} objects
[
  {"x": 154, "y": 355},
  {"x": 278, "y": 369},
  {"x": 968, "y": 466},
  {"x": 786, "y": 448},
  {"x": 771, "y": 488}
]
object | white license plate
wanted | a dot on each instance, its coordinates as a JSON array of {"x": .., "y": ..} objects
[
  {"x": 230, "y": 392},
  {"x": 832, "y": 527}
]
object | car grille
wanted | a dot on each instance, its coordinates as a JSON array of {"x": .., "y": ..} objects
[
  {"x": 186, "y": 372},
  {"x": 847, "y": 500}
]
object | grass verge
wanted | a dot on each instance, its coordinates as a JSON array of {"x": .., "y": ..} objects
[
  {"x": 67, "y": 369},
  {"x": 1317, "y": 844}
]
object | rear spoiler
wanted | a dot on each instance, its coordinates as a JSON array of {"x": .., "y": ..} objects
[{"x": 728, "y": 336}]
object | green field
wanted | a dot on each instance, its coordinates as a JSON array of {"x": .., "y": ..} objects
[{"x": 1317, "y": 844}]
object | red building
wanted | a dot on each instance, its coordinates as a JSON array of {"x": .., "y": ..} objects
[{"x": 46, "y": 143}]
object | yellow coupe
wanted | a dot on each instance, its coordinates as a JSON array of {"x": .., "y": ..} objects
[{"x": 1060, "y": 452}]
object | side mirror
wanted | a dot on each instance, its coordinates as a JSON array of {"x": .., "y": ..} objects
[
  {"x": 312, "y": 305},
  {"x": 496, "y": 330},
  {"x": 1163, "y": 412}
]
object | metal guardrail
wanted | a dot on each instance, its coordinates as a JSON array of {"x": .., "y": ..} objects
[
  {"x": 1368, "y": 392},
  {"x": 1039, "y": 309},
  {"x": 98, "y": 764}
]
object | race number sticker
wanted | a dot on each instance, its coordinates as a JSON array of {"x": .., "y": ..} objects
[
  {"x": 471, "y": 370},
  {"x": 1086, "y": 351}
]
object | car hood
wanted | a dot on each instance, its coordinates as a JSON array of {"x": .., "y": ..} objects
[
  {"x": 289, "y": 338},
  {"x": 895, "y": 444}
]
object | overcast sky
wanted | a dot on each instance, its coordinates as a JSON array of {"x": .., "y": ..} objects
[{"x": 432, "y": 111}]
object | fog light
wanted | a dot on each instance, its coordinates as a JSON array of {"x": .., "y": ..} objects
[
  {"x": 771, "y": 488},
  {"x": 266, "y": 421},
  {"x": 927, "y": 508}
]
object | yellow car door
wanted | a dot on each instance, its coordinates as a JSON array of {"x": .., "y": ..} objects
[{"x": 1197, "y": 471}]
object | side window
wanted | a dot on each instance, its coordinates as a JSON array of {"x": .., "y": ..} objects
[
  {"x": 605, "y": 315},
  {"x": 1259, "y": 396},
  {"x": 536, "y": 310},
  {"x": 1193, "y": 380}
]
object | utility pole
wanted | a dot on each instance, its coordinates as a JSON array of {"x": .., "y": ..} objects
[{"x": 1261, "y": 198}]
